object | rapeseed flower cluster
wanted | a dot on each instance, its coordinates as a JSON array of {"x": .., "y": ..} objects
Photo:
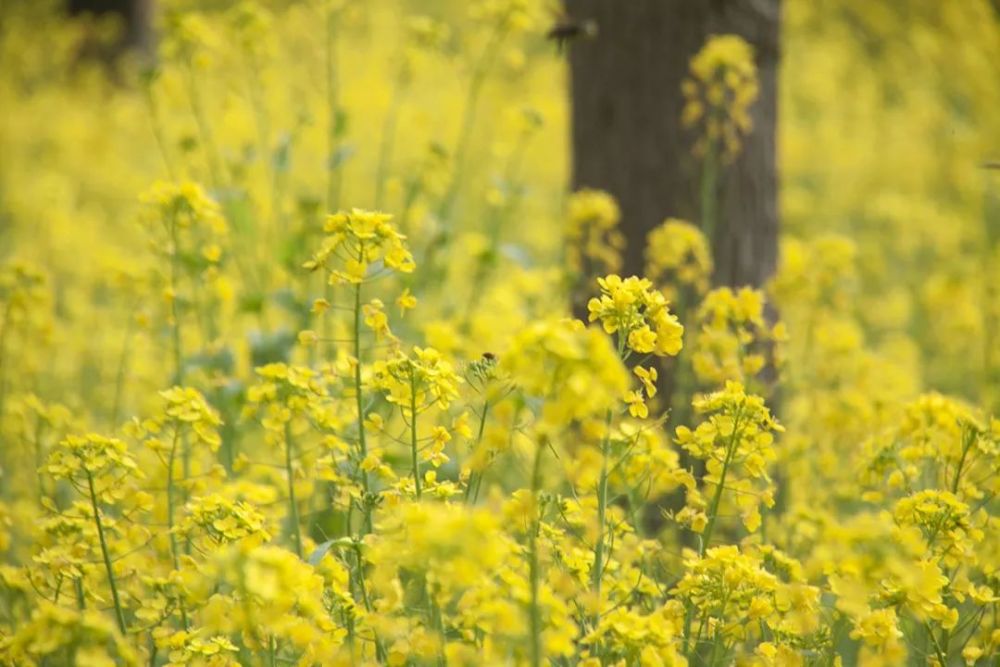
[
  {"x": 719, "y": 93},
  {"x": 357, "y": 239},
  {"x": 734, "y": 340},
  {"x": 594, "y": 242},
  {"x": 678, "y": 257},
  {"x": 638, "y": 315}
]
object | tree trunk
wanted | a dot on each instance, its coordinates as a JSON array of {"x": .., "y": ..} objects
[
  {"x": 628, "y": 139},
  {"x": 626, "y": 124},
  {"x": 136, "y": 17}
]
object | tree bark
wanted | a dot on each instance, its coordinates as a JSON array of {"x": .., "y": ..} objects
[
  {"x": 626, "y": 124},
  {"x": 136, "y": 17},
  {"x": 627, "y": 138}
]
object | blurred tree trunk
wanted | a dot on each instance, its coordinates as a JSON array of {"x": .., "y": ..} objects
[
  {"x": 136, "y": 17},
  {"x": 626, "y": 124},
  {"x": 627, "y": 139}
]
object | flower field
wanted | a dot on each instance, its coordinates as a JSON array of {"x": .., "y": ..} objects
[{"x": 289, "y": 373}]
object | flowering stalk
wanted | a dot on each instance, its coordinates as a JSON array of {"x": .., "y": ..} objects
[
  {"x": 719, "y": 93},
  {"x": 366, "y": 526},
  {"x": 119, "y": 614},
  {"x": 597, "y": 573},
  {"x": 710, "y": 527},
  {"x": 640, "y": 318}
]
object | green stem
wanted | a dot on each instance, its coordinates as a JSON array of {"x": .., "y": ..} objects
[
  {"x": 81, "y": 599},
  {"x": 327, "y": 349},
  {"x": 39, "y": 429},
  {"x": 479, "y": 72},
  {"x": 157, "y": 125},
  {"x": 174, "y": 550},
  {"x": 186, "y": 472},
  {"x": 717, "y": 641},
  {"x": 496, "y": 222},
  {"x": 379, "y": 649},
  {"x": 362, "y": 444},
  {"x": 4, "y": 328},
  {"x": 596, "y": 574},
  {"x": 204, "y": 128},
  {"x": 293, "y": 507},
  {"x": 120, "y": 374},
  {"x": 263, "y": 125},
  {"x": 988, "y": 396},
  {"x": 717, "y": 497},
  {"x": 709, "y": 196},
  {"x": 479, "y": 440},
  {"x": 229, "y": 436},
  {"x": 533, "y": 565},
  {"x": 709, "y": 529},
  {"x": 334, "y": 175},
  {"x": 119, "y": 614},
  {"x": 174, "y": 309},
  {"x": 479, "y": 486},
  {"x": 413, "y": 429},
  {"x": 681, "y": 380},
  {"x": 438, "y": 621},
  {"x": 942, "y": 654},
  {"x": 387, "y": 141},
  {"x": 968, "y": 439}
]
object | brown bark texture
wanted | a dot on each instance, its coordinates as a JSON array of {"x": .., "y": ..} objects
[
  {"x": 136, "y": 17},
  {"x": 627, "y": 136}
]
